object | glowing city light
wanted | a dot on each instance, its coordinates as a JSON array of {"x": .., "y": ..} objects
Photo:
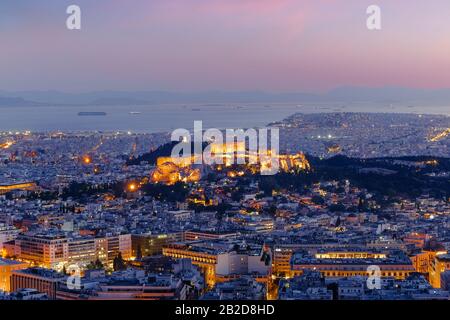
[
  {"x": 6, "y": 145},
  {"x": 132, "y": 187},
  {"x": 87, "y": 159},
  {"x": 440, "y": 135}
]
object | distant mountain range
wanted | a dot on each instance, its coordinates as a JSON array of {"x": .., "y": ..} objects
[
  {"x": 342, "y": 94},
  {"x": 14, "y": 101}
]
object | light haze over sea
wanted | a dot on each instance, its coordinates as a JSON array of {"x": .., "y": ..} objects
[{"x": 167, "y": 117}]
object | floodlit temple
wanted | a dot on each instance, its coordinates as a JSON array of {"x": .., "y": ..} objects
[{"x": 170, "y": 170}]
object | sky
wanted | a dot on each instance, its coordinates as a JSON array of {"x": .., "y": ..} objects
[{"x": 226, "y": 45}]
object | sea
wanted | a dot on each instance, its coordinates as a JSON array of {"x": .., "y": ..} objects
[{"x": 167, "y": 117}]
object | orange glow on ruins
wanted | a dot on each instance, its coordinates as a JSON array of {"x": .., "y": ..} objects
[
  {"x": 182, "y": 169},
  {"x": 170, "y": 171},
  {"x": 294, "y": 162}
]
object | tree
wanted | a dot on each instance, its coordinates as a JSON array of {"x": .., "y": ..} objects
[
  {"x": 267, "y": 185},
  {"x": 99, "y": 264},
  {"x": 339, "y": 207},
  {"x": 119, "y": 263},
  {"x": 272, "y": 210},
  {"x": 95, "y": 265},
  {"x": 139, "y": 252},
  {"x": 317, "y": 200},
  {"x": 338, "y": 221}
]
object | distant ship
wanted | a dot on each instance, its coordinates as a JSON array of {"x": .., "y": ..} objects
[{"x": 92, "y": 113}]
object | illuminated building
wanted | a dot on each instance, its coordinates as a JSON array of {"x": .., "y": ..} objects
[
  {"x": 282, "y": 253},
  {"x": 57, "y": 251},
  {"x": 180, "y": 162},
  {"x": 7, "y": 233},
  {"x": 296, "y": 162},
  {"x": 347, "y": 263},
  {"x": 6, "y": 269},
  {"x": 440, "y": 135},
  {"x": 18, "y": 186},
  {"x": 205, "y": 259},
  {"x": 107, "y": 248},
  {"x": 334, "y": 149},
  {"x": 54, "y": 252},
  {"x": 418, "y": 239},
  {"x": 49, "y": 251},
  {"x": 431, "y": 162},
  {"x": 122, "y": 285},
  {"x": 126, "y": 285},
  {"x": 43, "y": 280},
  {"x": 287, "y": 162},
  {"x": 309, "y": 286},
  {"x": 254, "y": 224},
  {"x": 445, "y": 280},
  {"x": 439, "y": 265},
  {"x": 282, "y": 261},
  {"x": 152, "y": 244},
  {"x": 243, "y": 288},
  {"x": 154, "y": 287},
  {"x": 171, "y": 170},
  {"x": 222, "y": 261},
  {"x": 229, "y": 152},
  {"x": 422, "y": 261},
  {"x": 351, "y": 255},
  {"x": 49, "y": 219},
  {"x": 6, "y": 145},
  {"x": 81, "y": 251},
  {"x": 193, "y": 235},
  {"x": 426, "y": 262}
]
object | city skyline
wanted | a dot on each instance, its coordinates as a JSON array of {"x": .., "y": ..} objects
[
  {"x": 240, "y": 151},
  {"x": 359, "y": 210}
]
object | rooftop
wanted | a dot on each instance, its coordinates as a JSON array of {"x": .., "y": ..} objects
[{"x": 7, "y": 262}]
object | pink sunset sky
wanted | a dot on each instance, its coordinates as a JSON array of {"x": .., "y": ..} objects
[{"x": 233, "y": 45}]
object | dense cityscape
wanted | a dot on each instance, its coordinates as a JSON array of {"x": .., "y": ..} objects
[
  {"x": 201, "y": 159},
  {"x": 111, "y": 215}
]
